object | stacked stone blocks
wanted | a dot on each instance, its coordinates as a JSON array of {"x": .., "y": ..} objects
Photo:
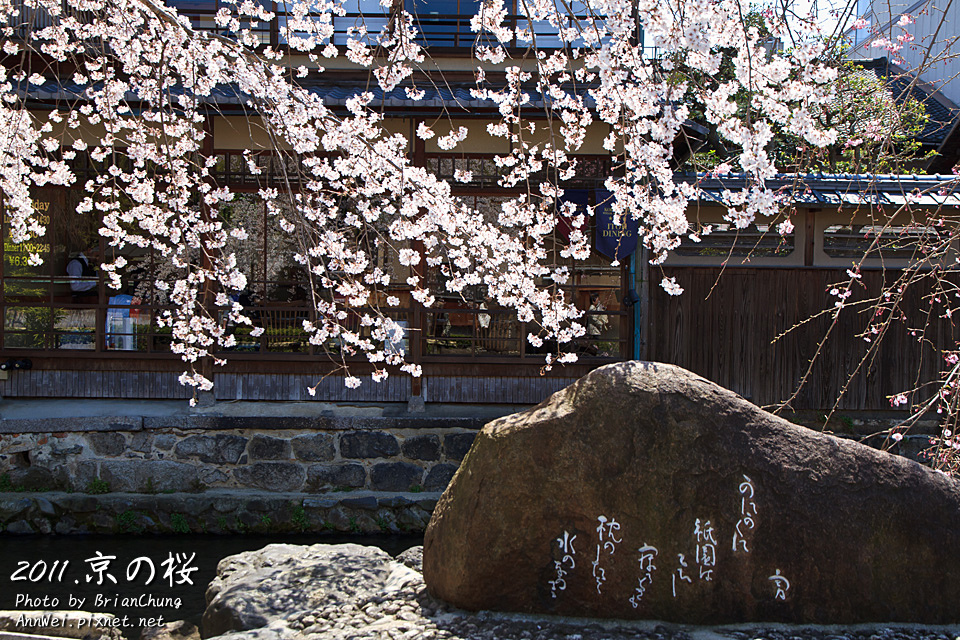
[
  {"x": 386, "y": 456},
  {"x": 226, "y": 475}
]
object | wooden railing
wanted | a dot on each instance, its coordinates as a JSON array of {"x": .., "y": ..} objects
[{"x": 434, "y": 30}]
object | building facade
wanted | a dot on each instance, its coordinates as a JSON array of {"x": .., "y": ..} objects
[{"x": 65, "y": 333}]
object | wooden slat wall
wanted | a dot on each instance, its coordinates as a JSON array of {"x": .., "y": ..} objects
[
  {"x": 251, "y": 386},
  {"x": 291, "y": 387},
  {"x": 723, "y": 324},
  {"x": 499, "y": 389},
  {"x": 36, "y": 383}
]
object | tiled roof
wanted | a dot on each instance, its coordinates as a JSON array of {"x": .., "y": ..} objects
[
  {"x": 450, "y": 96},
  {"x": 841, "y": 189},
  {"x": 941, "y": 117},
  {"x": 333, "y": 94}
]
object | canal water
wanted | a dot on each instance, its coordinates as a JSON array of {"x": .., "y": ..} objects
[{"x": 140, "y": 579}]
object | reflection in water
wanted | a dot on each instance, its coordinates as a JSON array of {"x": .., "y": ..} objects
[{"x": 142, "y": 578}]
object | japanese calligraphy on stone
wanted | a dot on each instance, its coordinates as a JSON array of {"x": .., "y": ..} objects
[
  {"x": 748, "y": 511},
  {"x": 648, "y": 554},
  {"x": 565, "y": 564},
  {"x": 607, "y": 543}
]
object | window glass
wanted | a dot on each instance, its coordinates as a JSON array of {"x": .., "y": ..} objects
[
  {"x": 21, "y": 279},
  {"x": 247, "y": 212},
  {"x": 469, "y": 324},
  {"x": 277, "y": 297},
  {"x": 191, "y": 6},
  {"x": 595, "y": 287},
  {"x": 70, "y": 250},
  {"x": 444, "y": 23},
  {"x": 28, "y": 327},
  {"x": 368, "y": 14},
  {"x": 54, "y": 305}
]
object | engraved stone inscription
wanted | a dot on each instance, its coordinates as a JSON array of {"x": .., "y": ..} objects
[
  {"x": 679, "y": 573},
  {"x": 748, "y": 510},
  {"x": 706, "y": 549},
  {"x": 782, "y": 585},
  {"x": 606, "y": 542},
  {"x": 647, "y": 555},
  {"x": 564, "y": 564}
]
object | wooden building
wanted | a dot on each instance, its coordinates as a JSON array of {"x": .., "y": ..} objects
[
  {"x": 73, "y": 337},
  {"x": 744, "y": 291}
]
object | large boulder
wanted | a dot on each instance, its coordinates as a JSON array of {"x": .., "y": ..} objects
[{"x": 645, "y": 491}]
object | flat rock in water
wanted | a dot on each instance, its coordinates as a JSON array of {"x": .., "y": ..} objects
[
  {"x": 269, "y": 590},
  {"x": 645, "y": 491}
]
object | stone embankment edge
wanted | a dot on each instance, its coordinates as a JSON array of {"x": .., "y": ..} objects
[
  {"x": 16, "y": 635},
  {"x": 682, "y": 631},
  {"x": 673, "y": 630},
  {"x": 216, "y": 512}
]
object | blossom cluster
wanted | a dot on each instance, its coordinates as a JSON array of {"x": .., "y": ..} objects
[{"x": 149, "y": 79}]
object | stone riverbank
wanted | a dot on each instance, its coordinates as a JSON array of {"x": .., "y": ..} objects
[
  {"x": 261, "y": 596},
  {"x": 224, "y": 511},
  {"x": 184, "y": 454},
  {"x": 359, "y": 593}
]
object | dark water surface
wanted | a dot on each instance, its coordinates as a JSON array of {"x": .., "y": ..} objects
[{"x": 32, "y": 574}]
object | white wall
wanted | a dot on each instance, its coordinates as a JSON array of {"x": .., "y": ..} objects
[{"x": 938, "y": 64}]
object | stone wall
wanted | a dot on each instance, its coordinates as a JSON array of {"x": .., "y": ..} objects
[
  {"x": 226, "y": 474},
  {"x": 193, "y": 454}
]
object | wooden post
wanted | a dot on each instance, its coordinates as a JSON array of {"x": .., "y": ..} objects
[
  {"x": 417, "y": 342},
  {"x": 275, "y": 27},
  {"x": 810, "y": 237},
  {"x": 207, "y": 296},
  {"x": 642, "y": 312}
]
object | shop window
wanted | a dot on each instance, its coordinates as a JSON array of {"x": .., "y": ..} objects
[
  {"x": 29, "y": 327},
  {"x": 596, "y": 289},
  {"x": 280, "y": 291},
  {"x": 47, "y": 305},
  {"x": 65, "y": 303},
  {"x": 596, "y": 286},
  {"x": 68, "y": 241},
  {"x": 468, "y": 328},
  {"x": 277, "y": 293},
  {"x": 469, "y": 324}
]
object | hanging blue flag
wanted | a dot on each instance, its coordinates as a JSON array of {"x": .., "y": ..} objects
[{"x": 616, "y": 241}]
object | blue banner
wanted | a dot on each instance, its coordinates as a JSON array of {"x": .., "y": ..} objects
[{"x": 614, "y": 241}]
